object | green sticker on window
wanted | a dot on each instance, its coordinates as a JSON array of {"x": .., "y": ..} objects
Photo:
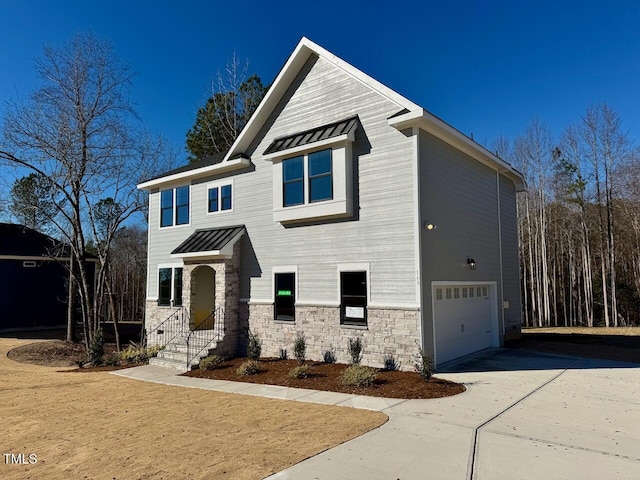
[{"x": 284, "y": 293}]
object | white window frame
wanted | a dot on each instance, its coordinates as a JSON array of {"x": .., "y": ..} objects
[
  {"x": 173, "y": 267},
  {"x": 219, "y": 184},
  {"x": 174, "y": 207}
]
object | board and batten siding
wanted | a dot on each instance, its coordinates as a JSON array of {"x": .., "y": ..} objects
[
  {"x": 381, "y": 233},
  {"x": 459, "y": 195}
]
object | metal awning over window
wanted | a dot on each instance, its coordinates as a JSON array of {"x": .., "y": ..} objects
[
  {"x": 210, "y": 242},
  {"x": 325, "y": 132}
]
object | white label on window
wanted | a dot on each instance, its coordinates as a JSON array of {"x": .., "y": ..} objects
[{"x": 354, "y": 312}]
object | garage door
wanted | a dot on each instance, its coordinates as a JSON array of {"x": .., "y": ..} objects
[{"x": 463, "y": 319}]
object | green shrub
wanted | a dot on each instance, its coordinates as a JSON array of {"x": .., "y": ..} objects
[
  {"x": 358, "y": 376},
  {"x": 301, "y": 371},
  {"x": 96, "y": 347},
  {"x": 329, "y": 356},
  {"x": 391, "y": 362},
  {"x": 211, "y": 362},
  {"x": 134, "y": 353},
  {"x": 254, "y": 347},
  {"x": 300, "y": 348},
  {"x": 355, "y": 350},
  {"x": 250, "y": 367},
  {"x": 423, "y": 364},
  {"x": 112, "y": 360},
  {"x": 283, "y": 355}
]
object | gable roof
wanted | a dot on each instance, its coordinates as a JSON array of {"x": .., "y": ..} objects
[
  {"x": 409, "y": 115},
  {"x": 21, "y": 241}
]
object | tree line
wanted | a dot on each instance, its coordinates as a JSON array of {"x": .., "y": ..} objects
[{"x": 579, "y": 222}]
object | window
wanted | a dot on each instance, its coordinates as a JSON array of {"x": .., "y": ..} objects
[
  {"x": 320, "y": 178},
  {"x": 285, "y": 296},
  {"x": 448, "y": 294},
  {"x": 438, "y": 294},
  {"x": 178, "y": 197},
  {"x": 219, "y": 198},
  {"x": 464, "y": 292},
  {"x": 353, "y": 298},
  {"x": 170, "y": 282},
  {"x": 293, "y": 181}
]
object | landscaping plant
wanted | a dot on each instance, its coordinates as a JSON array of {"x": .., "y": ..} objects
[
  {"x": 423, "y": 364},
  {"x": 96, "y": 348},
  {"x": 329, "y": 356},
  {"x": 301, "y": 371},
  {"x": 300, "y": 349},
  {"x": 355, "y": 350},
  {"x": 391, "y": 363},
  {"x": 254, "y": 346},
  {"x": 359, "y": 376},
  {"x": 250, "y": 367},
  {"x": 211, "y": 362}
]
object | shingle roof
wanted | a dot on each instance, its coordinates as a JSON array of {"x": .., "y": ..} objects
[
  {"x": 210, "y": 160},
  {"x": 208, "y": 240},
  {"x": 24, "y": 241},
  {"x": 331, "y": 130}
]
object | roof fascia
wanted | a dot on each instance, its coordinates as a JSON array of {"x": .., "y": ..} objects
[
  {"x": 432, "y": 124},
  {"x": 215, "y": 169},
  {"x": 287, "y": 74}
]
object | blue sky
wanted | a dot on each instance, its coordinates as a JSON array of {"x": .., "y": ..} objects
[{"x": 485, "y": 67}]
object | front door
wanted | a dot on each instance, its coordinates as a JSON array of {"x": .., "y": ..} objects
[{"x": 203, "y": 288}]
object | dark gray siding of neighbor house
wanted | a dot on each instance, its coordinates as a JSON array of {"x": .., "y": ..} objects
[{"x": 459, "y": 195}]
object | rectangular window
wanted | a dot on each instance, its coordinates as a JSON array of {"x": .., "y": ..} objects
[
  {"x": 285, "y": 296},
  {"x": 448, "y": 294},
  {"x": 182, "y": 205},
  {"x": 353, "y": 298},
  {"x": 484, "y": 291},
  {"x": 213, "y": 200},
  {"x": 293, "y": 181},
  {"x": 320, "y": 176},
  {"x": 478, "y": 292},
  {"x": 438, "y": 294},
  {"x": 471, "y": 289},
  {"x": 170, "y": 282},
  {"x": 464, "y": 292},
  {"x": 166, "y": 208},
  {"x": 225, "y": 193},
  {"x": 456, "y": 292}
]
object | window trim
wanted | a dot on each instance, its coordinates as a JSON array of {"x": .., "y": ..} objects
[
  {"x": 219, "y": 184},
  {"x": 285, "y": 269},
  {"x": 173, "y": 267},
  {"x": 275, "y": 297},
  {"x": 174, "y": 207},
  {"x": 352, "y": 268}
]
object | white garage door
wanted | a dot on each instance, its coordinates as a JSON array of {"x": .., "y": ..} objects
[{"x": 463, "y": 319}]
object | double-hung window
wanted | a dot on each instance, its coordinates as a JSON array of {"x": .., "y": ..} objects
[
  {"x": 220, "y": 198},
  {"x": 170, "y": 286},
  {"x": 353, "y": 298},
  {"x": 285, "y": 296},
  {"x": 174, "y": 206},
  {"x": 320, "y": 176}
]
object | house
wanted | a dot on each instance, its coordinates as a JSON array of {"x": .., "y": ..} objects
[
  {"x": 342, "y": 210},
  {"x": 34, "y": 272}
]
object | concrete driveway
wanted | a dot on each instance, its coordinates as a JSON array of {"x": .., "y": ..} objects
[{"x": 524, "y": 416}]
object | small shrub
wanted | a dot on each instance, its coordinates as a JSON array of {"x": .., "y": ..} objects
[
  {"x": 96, "y": 347},
  {"x": 254, "y": 347},
  {"x": 112, "y": 360},
  {"x": 211, "y": 363},
  {"x": 329, "y": 356},
  {"x": 250, "y": 367},
  {"x": 283, "y": 355},
  {"x": 391, "y": 363},
  {"x": 358, "y": 376},
  {"x": 134, "y": 353},
  {"x": 423, "y": 364},
  {"x": 301, "y": 371},
  {"x": 355, "y": 350},
  {"x": 300, "y": 349},
  {"x": 80, "y": 363}
]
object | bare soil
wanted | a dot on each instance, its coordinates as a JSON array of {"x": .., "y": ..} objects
[
  {"x": 53, "y": 353},
  {"x": 326, "y": 376},
  {"x": 100, "y": 426}
]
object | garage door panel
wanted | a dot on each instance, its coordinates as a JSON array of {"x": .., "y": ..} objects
[{"x": 463, "y": 320}]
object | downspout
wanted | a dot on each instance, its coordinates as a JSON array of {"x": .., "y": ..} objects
[
  {"x": 501, "y": 304},
  {"x": 415, "y": 132}
]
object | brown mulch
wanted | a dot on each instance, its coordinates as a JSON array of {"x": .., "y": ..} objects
[{"x": 326, "y": 377}]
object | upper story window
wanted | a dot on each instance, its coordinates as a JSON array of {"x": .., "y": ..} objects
[
  {"x": 174, "y": 206},
  {"x": 219, "y": 197},
  {"x": 313, "y": 173}
]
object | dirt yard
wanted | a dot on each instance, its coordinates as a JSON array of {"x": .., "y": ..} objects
[{"x": 98, "y": 426}]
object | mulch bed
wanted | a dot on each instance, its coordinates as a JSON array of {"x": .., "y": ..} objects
[{"x": 326, "y": 377}]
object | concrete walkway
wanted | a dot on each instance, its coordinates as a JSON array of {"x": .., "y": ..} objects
[{"x": 524, "y": 416}]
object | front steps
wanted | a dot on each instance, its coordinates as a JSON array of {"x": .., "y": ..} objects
[{"x": 174, "y": 355}]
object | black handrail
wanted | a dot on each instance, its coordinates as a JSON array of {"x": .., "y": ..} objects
[
  {"x": 200, "y": 339},
  {"x": 171, "y": 327}
]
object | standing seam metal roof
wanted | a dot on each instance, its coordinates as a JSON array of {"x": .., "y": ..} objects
[
  {"x": 207, "y": 240},
  {"x": 330, "y": 130}
]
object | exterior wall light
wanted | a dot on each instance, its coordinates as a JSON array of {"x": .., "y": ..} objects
[
  {"x": 471, "y": 263},
  {"x": 430, "y": 226}
]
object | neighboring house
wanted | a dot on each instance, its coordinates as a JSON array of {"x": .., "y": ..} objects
[
  {"x": 342, "y": 210},
  {"x": 33, "y": 277}
]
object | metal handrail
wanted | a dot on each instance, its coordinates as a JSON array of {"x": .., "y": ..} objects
[
  {"x": 200, "y": 339},
  {"x": 171, "y": 327}
]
